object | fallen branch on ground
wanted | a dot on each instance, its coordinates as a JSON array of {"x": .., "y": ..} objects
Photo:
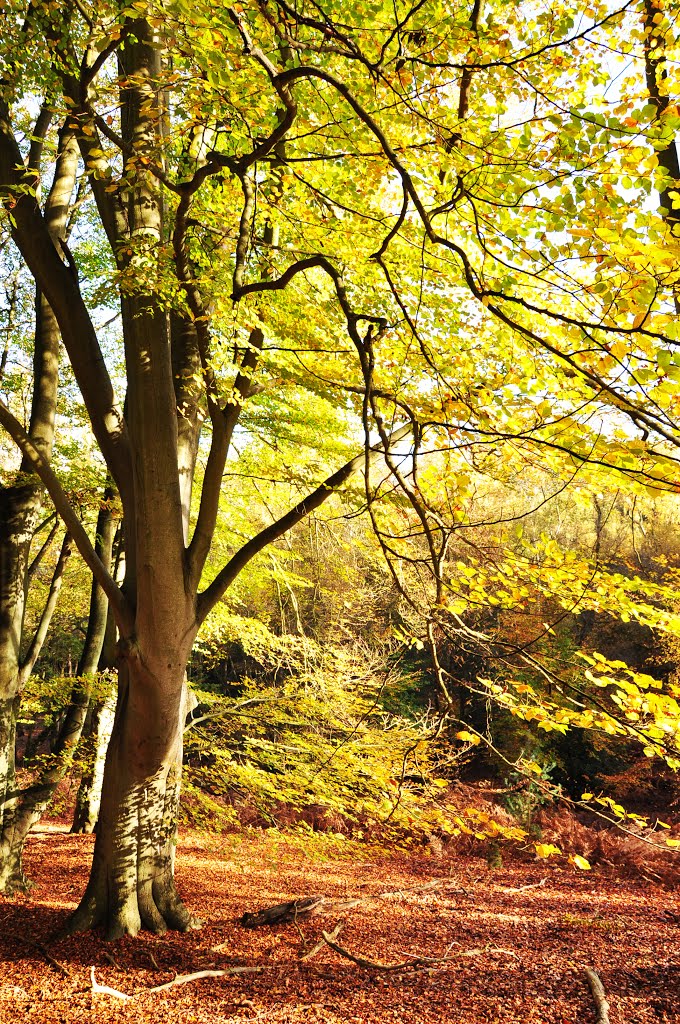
[
  {"x": 183, "y": 979},
  {"x": 322, "y": 942},
  {"x": 599, "y": 996},
  {"x": 180, "y": 979},
  {"x": 523, "y": 888},
  {"x": 414, "y": 960},
  {"x": 104, "y": 990},
  {"x": 294, "y": 910},
  {"x": 50, "y": 959},
  {"x": 374, "y": 965}
]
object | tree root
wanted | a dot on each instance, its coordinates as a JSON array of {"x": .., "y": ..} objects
[{"x": 48, "y": 956}]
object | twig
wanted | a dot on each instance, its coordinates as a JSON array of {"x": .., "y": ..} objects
[
  {"x": 183, "y": 979},
  {"x": 374, "y": 965},
  {"x": 107, "y": 956},
  {"x": 416, "y": 961},
  {"x": 152, "y": 958},
  {"x": 523, "y": 888},
  {"x": 180, "y": 979},
  {"x": 434, "y": 883},
  {"x": 50, "y": 959},
  {"x": 104, "y": 990},
  {"x": 322, "y": 942},
  {"x": 597, "y": 989}
]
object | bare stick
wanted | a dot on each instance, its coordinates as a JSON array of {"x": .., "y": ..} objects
[
  {"x": 373, "y": 965},
  {"x": 523, "y": 888},
  {"x": 322, "y": 942},
  {"x": 50, "y": 959},
  {"x": 597, "y": 989},
  {"x": 183, "y": 979},
  {"x": 104, "y": 990}
]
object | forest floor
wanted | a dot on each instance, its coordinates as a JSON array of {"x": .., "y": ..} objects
[{"x": 508, "y": 945}]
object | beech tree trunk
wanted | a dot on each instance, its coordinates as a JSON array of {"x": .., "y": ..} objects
[
  {"x": 132, "y": 879},
  {"x": 98, "y": 730},
  {"x": 29, "y": 804},
  {"x": 151, "y": 442},
  {"x": 20, "y": 507}
]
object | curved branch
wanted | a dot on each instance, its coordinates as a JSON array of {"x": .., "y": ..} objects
[
  {"x": 119, "y": 606},
  {"x": 212, "y": 594},
  {"x": 36, "y": 644}
]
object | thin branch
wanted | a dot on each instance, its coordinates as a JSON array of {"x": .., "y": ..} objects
[
  {"x": 228, "y": 574},
  {"x": 40, "y": 634},
  {"x": 119, "y": 605},
  {"x": 35, "y": 564}
]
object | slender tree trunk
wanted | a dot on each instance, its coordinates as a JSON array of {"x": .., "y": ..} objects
[
  {"x": 98, "y": 727},
  {"x": 17, "y": 805},
  {"x": 99, "y": 722},
  {"x": 18, "y": 517},
  {"x": 29, "y": 805},
  {"x": 19, "y": 509}
]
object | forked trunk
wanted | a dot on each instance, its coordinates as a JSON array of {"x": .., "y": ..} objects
[{"x": 132, "y": 882}]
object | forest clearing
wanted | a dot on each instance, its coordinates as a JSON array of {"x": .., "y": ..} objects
[
  {"x": 339, "y": 511},
  {"x": 502, "y": 945}
]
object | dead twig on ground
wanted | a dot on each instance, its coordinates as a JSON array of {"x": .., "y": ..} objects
[
  {"x": 523, "y": 888},
  {"x": 599, "y": 996},
  {"x": 322, "y": 942},
  {"x": 184, "y": 979},
  {"x": 374, "y": 965},
  {"x": 180, "y": 979},
  {"x": 434, "y": 883},
  {"x": 105, "y": 990},
  {"x": 48, "y": 956},
  {"x": 414, "y": 960}
]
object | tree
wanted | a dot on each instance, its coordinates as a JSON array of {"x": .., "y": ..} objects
[
  {"x": 21, "y": 502},
  {"x": 362, "y": 201}
]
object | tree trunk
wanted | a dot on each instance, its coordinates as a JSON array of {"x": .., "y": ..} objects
[
  {"x": 132, "y": 879},
  {"x": 18, "y": 510},
  {"x": 29, "y": 805},
  {"x": 88, "y": 799}
]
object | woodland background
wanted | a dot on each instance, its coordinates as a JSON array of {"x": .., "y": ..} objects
[{"x": 340, "y": 366}]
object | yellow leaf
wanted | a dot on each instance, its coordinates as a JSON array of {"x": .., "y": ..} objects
[
  {"x": 580, "y": 862},
  {"x": 545, "y": 850},
  {"x": 468, "y": 737}
]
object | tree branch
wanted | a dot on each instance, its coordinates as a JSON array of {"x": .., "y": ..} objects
[
  {"x": 36, "y": 644},
  {"x": 120, "y": 607},
  {"x": 211, "y": 595}
]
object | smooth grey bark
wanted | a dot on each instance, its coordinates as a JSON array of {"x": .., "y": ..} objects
[
  {"x": 20, "y": 510},
  {"x": 97, "y": 733},
  {"x": 14, "y": 823},
  {"x": 98, "y": 655},
  {"x": 30, "y": 804}
]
